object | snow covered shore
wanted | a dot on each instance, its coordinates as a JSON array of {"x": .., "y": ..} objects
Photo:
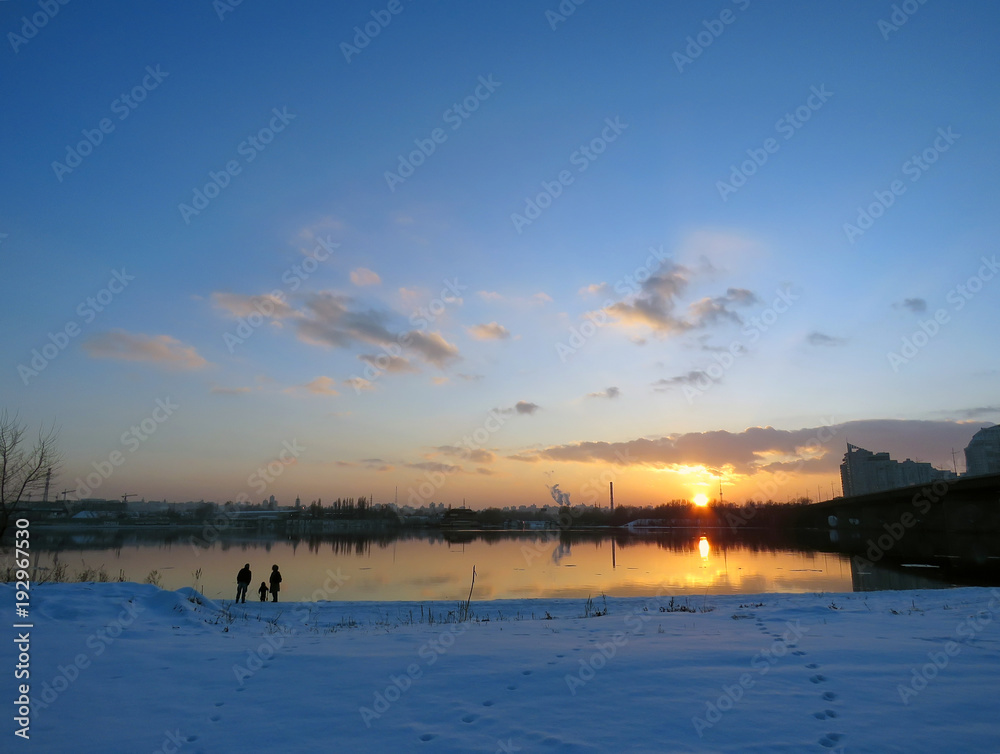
[{"x": 132, "y": 668}]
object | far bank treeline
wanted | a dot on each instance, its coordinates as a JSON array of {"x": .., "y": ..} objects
[{"x": 678, "y": 513}]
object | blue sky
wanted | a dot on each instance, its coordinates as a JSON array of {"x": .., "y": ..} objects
[{"x": 817, "y": 111}]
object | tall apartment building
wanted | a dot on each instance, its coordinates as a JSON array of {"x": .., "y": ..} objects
[
  {"x": 982, "y": 456},
  {"x": 863, "y": 472}
]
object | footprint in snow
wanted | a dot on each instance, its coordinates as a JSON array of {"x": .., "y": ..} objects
[
  {"x": 798, "y": 653},
  {"x": 526, "y": 672},
  {"x": 427, "y": 737},
  {"x": 512, "y": 687},
  {"x": 215, "y": 718},
  {"x": 812, "y": 666},
  {"x": 470, "y": 718},
  {"x": 488, "y": 703},
  {"x": 818, "y": 678},
  {"x": 829, "y": 696},
  {"x": 824, "y": 714},
  {"x": 830, "y": 740},
  {"x": 220, "y": 704}
]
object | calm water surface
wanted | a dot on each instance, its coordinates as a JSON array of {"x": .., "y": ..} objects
[{"x": 438, "y": 566}]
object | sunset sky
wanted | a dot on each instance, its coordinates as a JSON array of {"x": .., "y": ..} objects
[{"x": 480, "y": 251}]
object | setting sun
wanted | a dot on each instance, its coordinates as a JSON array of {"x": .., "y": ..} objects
[{"x": 701, "y": 500}]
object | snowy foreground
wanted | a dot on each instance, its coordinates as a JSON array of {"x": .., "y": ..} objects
[{"x": 132, "y": 668}]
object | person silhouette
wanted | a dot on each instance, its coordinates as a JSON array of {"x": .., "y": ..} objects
[
  {"x": 263, "y": 591},
  {"x": 275, "y": 583},
  {"x": 243, "y": 579}
]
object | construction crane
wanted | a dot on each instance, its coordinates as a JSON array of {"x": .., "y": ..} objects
[
  {"x": 127, "y": 495},
  {"x": 63, "y": 493}
]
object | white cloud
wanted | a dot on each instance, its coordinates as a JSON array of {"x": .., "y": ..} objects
[
  {"x": 155, "y": 349},
  {"x": 363, "y": 276}
]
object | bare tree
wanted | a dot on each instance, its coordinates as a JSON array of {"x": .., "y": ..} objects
[{"x": 22, "y": 469}]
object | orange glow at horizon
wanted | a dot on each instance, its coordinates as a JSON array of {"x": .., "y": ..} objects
[{"x": 701, "y": 500}]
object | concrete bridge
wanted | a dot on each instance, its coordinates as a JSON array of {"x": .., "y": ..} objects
[{"x": 954, "y": 525}]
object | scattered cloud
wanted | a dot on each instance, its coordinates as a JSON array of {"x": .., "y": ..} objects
[
  {"x": 915, "y": 305},
  {"x": 521, "y": 407},
  {"x": 471, "y": 377},
  {"x": 383, "y": 362},
  {"x": 595, "y": 289},
  {"x": 328, "y": 319},
  {"x": 822, "y": 339},
  {"x": 490, "y": 296},
  {"x": 489, "y": 331},
  {"x": 714, "y": 310},
  {"x": 653, "y": 306},
  {"x": 155, "y": 349},
  {"x": 611, "y": 392},
  {"x": 359, "y": 384},
  {"x": 476, "y": 455},
  {"x": 444, "y": 468},
  {"x": 238, "y": 305},
  {"x": 321, "y": 386},
  {"x": 433, "y": 347},
  {"x": 655, "y": 303},
  {"x": 691, "y": 378},
  {"x": 542, "y": 298},
  {"x": 363, "y": 276},
  {"x": 972, "y": 414}
]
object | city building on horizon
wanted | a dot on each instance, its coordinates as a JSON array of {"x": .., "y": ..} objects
[
  {"x": 982, "y": 454},
  {"x": 863, "y": 472}
]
